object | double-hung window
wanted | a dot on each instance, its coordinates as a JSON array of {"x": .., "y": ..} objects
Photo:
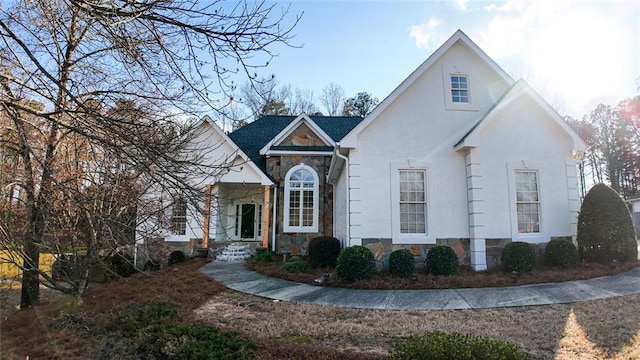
[
  {"x": 459, "y": 88},
  {"x": 179, "y": 217},
  {"x": 301, "y": 200},
  {"x": 413, "y": 202},
  {"x": 527, "y": 201}
]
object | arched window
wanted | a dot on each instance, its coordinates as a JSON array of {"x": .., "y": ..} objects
[{"x": 301, "y": 200}]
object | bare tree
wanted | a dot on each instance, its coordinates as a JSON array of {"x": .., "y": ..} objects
[
  {"x": 332, "y": 99},
  {"x": 256, "y": 94},
  {"x": 79, "y": 57},
  {"x": 301, "y": 101}
]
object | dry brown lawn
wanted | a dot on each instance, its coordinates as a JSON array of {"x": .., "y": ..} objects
[{"x": 601, "y": 329}]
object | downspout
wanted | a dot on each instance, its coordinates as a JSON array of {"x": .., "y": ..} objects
[
  {"x": 275, "y": 211},
  {"x": 336, "y": 151}
]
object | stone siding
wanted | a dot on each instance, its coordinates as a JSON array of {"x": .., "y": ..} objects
[
  {"x": 277, "y": 167},
  {"x": 383, "y": 247}
]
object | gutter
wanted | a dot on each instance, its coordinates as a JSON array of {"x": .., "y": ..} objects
[{"x": 337, "y": 153}]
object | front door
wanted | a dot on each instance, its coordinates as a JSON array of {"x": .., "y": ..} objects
[{"x": 249, "y": 221}]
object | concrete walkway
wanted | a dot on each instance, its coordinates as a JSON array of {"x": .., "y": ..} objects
[{"x": 235, "y": 276}]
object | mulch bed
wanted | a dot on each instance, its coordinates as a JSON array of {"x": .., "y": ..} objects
[{"x": 466, "y": 277}]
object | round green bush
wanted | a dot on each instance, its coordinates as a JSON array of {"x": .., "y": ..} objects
[
  {"x": 605, "y": 228},
  {"x": 295, "y": 266},
  {"x": 518, "y": 256},
  {"x": 265, "y": 256},
  {"x": 442, "y": 260},
  {"x": 402, "y": 263},
  {"x": 561, "y": 253},
  {"x": 121, "y": 264},
  {"x": 323, "y": 251},
  {"x": 176, "y": 257},
  {"x": 355, "y": 263},
  {"x": 438, "y": 345}
]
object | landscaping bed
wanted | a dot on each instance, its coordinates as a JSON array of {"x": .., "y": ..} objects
[{"x": 465, "y": 278}]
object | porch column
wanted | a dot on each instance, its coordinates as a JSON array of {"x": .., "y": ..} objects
[
  {"x": 476, "y": 210},
  {"x": 207, "y": 215},
  {"x": 265, "y": 216}
]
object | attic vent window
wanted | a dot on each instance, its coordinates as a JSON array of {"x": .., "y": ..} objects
[{"x": 460, "y": 89}]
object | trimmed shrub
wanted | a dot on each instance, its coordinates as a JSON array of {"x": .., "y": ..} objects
[
  {"x": 438, "y": 345},
  {"x": 561, "y": 253},
  {"x": 295, "y": 266},
  {"x": 121, "y": 264},
  {"x": 152, "y": 265},
  {"x": 518, "y": 256},
  {"x": 605, "y": 228},
  {"x": 442, "y": 260},
  {"x": 176, "y": 257},
  {"x": 129, "y": 319},
  {"x": 323, "y": 251},
  {"x": 263, "y": 257},
  {"x": 402, "y": 263},
  {"x": 188, "y": 341},
  {"x": 355, "y": 263}
]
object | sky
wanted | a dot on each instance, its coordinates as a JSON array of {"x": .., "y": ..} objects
[{"x": 576, "y": 54}]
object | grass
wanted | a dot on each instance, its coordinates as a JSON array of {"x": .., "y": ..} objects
[{"x": 602, "y": 329}]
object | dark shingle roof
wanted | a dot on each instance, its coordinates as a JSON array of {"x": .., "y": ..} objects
[{"x": 255, "y": 135}]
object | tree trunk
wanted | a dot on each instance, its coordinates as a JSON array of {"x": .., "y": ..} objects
[{"x": 30, "y": 294}]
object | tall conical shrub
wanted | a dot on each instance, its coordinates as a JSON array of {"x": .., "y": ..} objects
[{"x": 605, "y": 228}]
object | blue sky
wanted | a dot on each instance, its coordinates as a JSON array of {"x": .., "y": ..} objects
[{"x": 575, "y": 53}]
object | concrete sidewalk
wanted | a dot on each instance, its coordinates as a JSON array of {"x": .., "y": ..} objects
[{"x": 235, "y": 276}]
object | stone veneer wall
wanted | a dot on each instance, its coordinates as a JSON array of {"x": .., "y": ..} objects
[
  {"x": 277, "y": 167},
  {"x": 382, "y": 248}
]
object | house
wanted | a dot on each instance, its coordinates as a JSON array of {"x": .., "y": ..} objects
[{"x": 458, "y": 154}]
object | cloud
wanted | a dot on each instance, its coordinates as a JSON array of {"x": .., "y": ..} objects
[
  {"x": 460, "y": 4},
  {"x": 514, "y": 23},
  {"x": 425, "y": 34}
]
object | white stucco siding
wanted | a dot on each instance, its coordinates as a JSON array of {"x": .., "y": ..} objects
[
  {"x": 221, "y": 159},
  {"x": 522, "y": 137},
  {"x": 417, "y": 130}
]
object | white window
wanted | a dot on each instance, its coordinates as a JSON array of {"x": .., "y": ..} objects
[
  {"x": 459, "y": 88},
  {"x": 301, "y": 200},
  {"x": 413, "y": 202},
  {"x": 527, "y": 201},
  {"x": 179, "y": 217}
]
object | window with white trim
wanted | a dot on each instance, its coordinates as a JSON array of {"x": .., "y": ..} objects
[
  {"x": 179, "y": 217},
  {"x": 301, "y": 200},
  {"x": 527, "y": 201},
  {"x": 413, "y": 202},
  {"x": 459, "y": 88}
]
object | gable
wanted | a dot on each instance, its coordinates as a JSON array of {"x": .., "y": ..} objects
[
  {"x": 303, "y": 135},
  {"x": 253, "y": 137},
  {"x": 217, "y": 150},
  {"x": 426, "y": 92},
  {"x": 517, "y": 102}
]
